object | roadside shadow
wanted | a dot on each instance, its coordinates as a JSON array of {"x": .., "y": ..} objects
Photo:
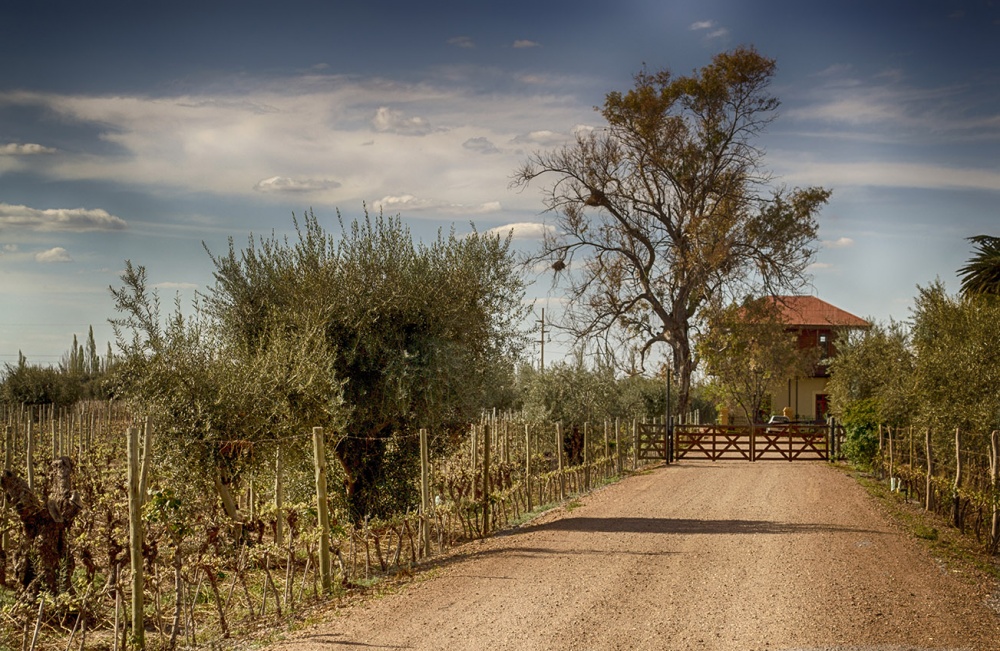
[
  {"x": 331, "y": 639},
  {"x": 684, "y": 526}
]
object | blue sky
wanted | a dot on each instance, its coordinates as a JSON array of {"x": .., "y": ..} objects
[{"x": 139, "y": 130}]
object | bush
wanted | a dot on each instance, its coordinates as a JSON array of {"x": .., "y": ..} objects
[{"x": 860, "y": 420}]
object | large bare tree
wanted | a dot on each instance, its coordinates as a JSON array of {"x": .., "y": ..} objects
[{"x": 669, "y": 206}]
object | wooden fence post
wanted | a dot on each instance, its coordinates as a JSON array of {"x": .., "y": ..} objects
[
  {"x": 586, "y": 457},
  {"x": 135, "y": 537},
  {"x": 618, "y": 447},
  {"x": 425, "y": 495},
  {"x": 929, "y": 501},
  {"x": 527, "y": 465},
  {"x": 956, "y": 500},
  {"x": 607, "y": 449},
  {"x": 994, "y": 472},
  {"x": 319, "y": 463},
  {"x": 8, "y": 462},
  {"x": 475, "y": 453},
  {"x": 486, "y": 479},
  {"x": 892, "y": 476},
  {"x": 279, "y": 499},
  {"x": 635, "y": 444},
  {"x": 559, "y": 455},
  {"x": 30, "y": 454}
]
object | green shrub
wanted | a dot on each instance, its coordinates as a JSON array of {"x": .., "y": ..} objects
[{"x": 860, "y": 420}]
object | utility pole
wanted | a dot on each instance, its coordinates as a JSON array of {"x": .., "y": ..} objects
[{"x": 541, "y": 340}]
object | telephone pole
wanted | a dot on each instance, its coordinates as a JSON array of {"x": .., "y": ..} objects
[{"x": 541, "y": 366}]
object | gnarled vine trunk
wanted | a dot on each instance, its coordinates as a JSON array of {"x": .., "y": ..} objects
[{"x": 43, "y": 559}]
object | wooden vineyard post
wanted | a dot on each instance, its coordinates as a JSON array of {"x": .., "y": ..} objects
[
  {"x": 559, "y": 451},
  {"x": 956, "y": 500},
  {"x": 279, "y": 499},
  {"x": 994, "y": 475},
  {"x": 8, "y": 462},
  {"x": 30, "y": 454},
  {"x": 475, "y": 452},
  {"x": 607, "y": 450},
  {"x": 135, "y": 537},
  {"x": 527, "y": 466},
  {"x": 635, "y": 444},
  {"x": 319, "y": 463},
  {"x": 618, "y": 447},
  {"x": 486, "y": 479},
  {"x": 892, "y": 477},
  {"x": 586, "y": 457},
  {"x": 929, "y": 501},
  {"x": 425, "y": 495}
]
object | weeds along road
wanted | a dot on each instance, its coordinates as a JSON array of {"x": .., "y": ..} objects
[{"x": 696, "y": 555}]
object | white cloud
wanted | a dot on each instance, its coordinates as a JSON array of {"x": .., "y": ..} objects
[
  {"x": 703, "y": 25},
  {"x": 9, "y": 248},
  {"x": 411, "y": 203},
  {"x": 542, "y": 138},
  {"x": 285, "y": 184},
  {"x": 316, "y": 131},
  {"x": 524, "y": 43},
  {"x": 819, "y": 266},
  {"x": 391, "y": 202},
  {"x": 523, "y": 230},
  {"x": 388, "y": 120},
  {"x": 481, "y": 145},
  {"x": 57, "y": 254},
  {"x": 177, "y": 286},
  {"x": 462, "y": 41},
  {"x": 893, "y": 174},
  {"x": 25, "y": 149},
  {"x": 58, "y": 219},
  {"x": 839, "y": 243}
]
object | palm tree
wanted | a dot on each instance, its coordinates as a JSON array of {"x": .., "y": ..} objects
[{"x": 982, "y": 274}]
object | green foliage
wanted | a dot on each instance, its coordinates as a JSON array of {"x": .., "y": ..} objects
[
  {"x": 747, "y": 349},
  {"x": 572, "y": 393},
  {"x": 982, "y": 274},
  {"x": 669, "y": 208},
  {"x": 875, "y": 365},
  {"x": 860, "y": 420},
  {"x": 80, "y": 376},
  {"x": 958, "y": 361},
  {"x": 218, "y": 407},
  {"x": 420, "y": 335}
]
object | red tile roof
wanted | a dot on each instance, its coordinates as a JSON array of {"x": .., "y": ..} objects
[{"x": 810, "y": 311}]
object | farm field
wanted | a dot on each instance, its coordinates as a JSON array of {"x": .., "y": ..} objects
[{"x": 727, "y": 556}]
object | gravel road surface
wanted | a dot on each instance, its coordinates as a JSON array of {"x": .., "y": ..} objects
[{"x": 728, "y": 556}]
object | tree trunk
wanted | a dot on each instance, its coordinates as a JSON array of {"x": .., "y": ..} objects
[{"x": 44, "y": 547}]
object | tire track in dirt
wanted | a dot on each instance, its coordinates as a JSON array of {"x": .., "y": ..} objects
[{"x": 727, "y": 556}]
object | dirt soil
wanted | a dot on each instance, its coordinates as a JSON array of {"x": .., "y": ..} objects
[{"x": 728, "y": 556}]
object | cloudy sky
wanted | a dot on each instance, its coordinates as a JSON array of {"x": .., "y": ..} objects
[{"x": 140, "y": 130}]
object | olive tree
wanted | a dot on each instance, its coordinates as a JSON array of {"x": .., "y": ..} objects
[
  {"x": 872, "y": 383},
  {"x": 218, "y": 405},
  {"x": 957, "y": 368},
  {"x": 669, "y": 206},
  {"x": 420, "y": 335}
]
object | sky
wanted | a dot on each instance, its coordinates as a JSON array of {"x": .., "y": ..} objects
[{"x": 149, "y": 131}]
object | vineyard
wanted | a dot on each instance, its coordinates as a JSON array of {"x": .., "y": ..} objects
[
  {"x": 960, "y": 483},
  {"x": 223, "y": 560}
]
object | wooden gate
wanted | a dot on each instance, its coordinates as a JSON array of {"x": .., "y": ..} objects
[
  {"x": 651, "y": 442},
  {"x": 763, "y": 443}
]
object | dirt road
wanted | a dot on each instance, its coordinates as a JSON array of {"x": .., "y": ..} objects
[{"x": 728, "y": 556}]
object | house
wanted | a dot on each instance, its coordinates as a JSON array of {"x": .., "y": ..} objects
[{"x": 818, "y": 324}]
